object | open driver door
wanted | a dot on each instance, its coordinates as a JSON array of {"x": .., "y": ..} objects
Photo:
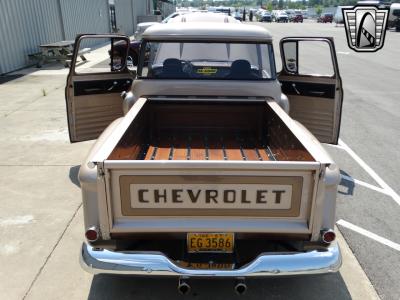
[
  {"x": 311, "y": 80},
  {"x": 94, "y": 85}
]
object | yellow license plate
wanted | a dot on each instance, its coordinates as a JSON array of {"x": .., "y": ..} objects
[{"x": 210, "y": 242}]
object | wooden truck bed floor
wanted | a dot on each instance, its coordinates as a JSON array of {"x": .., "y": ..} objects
[
  {"x": 206, "y": 147},
  {"x": 209, "y": 131}
]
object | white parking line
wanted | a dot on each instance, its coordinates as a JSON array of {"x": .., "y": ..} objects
[
  {"x": 365, "y": 184},
  {"x": 371, "y": 172},
  {"x": 334, "y": 146},
  {"x": 369, "y": 234}
]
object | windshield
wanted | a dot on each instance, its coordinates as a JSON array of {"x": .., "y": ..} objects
[{"x": 201, "y": 60}]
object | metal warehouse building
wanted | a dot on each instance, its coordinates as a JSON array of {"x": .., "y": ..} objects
[{"x": 26, "y": 24}]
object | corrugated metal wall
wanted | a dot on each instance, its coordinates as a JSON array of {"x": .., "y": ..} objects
[
  {"x": 26, "y": 24},
  {"x": 124, "y": 16},
  {"x": 141, "y": 9},
  {"x": 167, "y": 9},
  {"x": 85, "y": 16}
]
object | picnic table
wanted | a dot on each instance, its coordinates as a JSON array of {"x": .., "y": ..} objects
[{"x": 61, "y": 51}]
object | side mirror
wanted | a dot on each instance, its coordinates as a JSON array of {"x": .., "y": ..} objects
[
  {"x": 119, "y": 54},
  {"x": 291, "y": 56}
]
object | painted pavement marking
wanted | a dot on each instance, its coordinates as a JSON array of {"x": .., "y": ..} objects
[
  {"x": 371, "y": 172},
  {"x": 369, "y": 234}
]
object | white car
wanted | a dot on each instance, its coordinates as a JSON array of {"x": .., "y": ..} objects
[
  {"x": 204, "y": 17},
  {"x": 141, "y": 27},
  {"x": 281, "y": 17}
]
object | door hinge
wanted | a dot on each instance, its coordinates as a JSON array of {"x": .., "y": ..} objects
[{"x": 101, "y": 172}]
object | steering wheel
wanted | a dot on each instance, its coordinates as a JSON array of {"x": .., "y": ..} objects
[{"x": 187, "y": 67}]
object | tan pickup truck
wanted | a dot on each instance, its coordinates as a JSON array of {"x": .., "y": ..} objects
[{"x": 210, "y": 164}]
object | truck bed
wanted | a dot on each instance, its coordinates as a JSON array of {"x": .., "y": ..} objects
[
  {"x": 207, "y": 146},
  {"x": 165, "y": 130}
]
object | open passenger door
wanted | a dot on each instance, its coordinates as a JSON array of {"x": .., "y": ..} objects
[
  {"x": 310, "y": 78},
  {"x": 95, "y": 83}
]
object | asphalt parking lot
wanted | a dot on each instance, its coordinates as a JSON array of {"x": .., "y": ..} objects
[
  {"x": 41, "y": 223},
  {"x": 368, "y": 199}
]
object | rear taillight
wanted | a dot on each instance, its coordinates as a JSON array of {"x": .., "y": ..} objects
[
  {"x": 92, "y": 234},
  {"x": 328, "y": 236}
]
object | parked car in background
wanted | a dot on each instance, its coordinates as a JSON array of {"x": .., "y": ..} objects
[
  {"x": 266, "y": 17},
  {"x": 176, "y": 17},
  {"x": 290, "y": 13},
  {"x": 338, "y": 18},
  {"x": 298, "y": 18},
  {"x": 305, "y": 14},
  {"x": 141, "y": 27},
  {"x": 281, "y": 17},
  {"x": 238, "y": 16},
  {"x": 397, "y": 24},
  {"x": 223, "y": 10},
  {"x": 325, "y": 18},
  {"x": 205, "y": 17},
  {"x": 394, "y": 16},
  {"x": 260, "y": 12}
]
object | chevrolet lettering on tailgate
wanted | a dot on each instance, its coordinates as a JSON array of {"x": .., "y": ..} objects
[{"x": 211, "y": 196}]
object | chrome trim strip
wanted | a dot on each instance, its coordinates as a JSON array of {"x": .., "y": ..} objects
[
  {"x": 155, "y": 264},
  {"x": 209, "y": 164}
]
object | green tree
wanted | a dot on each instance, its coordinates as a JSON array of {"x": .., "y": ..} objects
[{"x": 318, "y": 10}]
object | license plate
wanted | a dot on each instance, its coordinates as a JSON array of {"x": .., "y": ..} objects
[
  {"x": 210, "y": 242},
  {"x": 207, "y": 266}
]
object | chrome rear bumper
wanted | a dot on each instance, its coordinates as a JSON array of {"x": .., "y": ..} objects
[{"x": 155, "y": 264}]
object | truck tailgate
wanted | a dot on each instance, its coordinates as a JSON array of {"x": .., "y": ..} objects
[{"x": 182, "y": 196}]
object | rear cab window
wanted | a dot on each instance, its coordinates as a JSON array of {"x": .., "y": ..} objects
[{"x": 203, "y": 60}]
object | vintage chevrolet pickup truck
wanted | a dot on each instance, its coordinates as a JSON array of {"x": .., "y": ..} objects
[{"x": 210, "y": 164}]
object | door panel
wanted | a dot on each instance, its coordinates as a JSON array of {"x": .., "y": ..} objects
[
  {"x": 93, "y": 115},
  {"x": 93, "y": 92},
  {"x": 311, "y": 89},
  {"x": 315, "y": 100},
  {"x": 97, "y": 87}
]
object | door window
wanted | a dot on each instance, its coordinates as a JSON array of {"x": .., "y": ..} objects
[
  {"x": 305, "y": 57},
  {"x": 315, "y": 58},
  {"x": 101, "y": 55}
]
